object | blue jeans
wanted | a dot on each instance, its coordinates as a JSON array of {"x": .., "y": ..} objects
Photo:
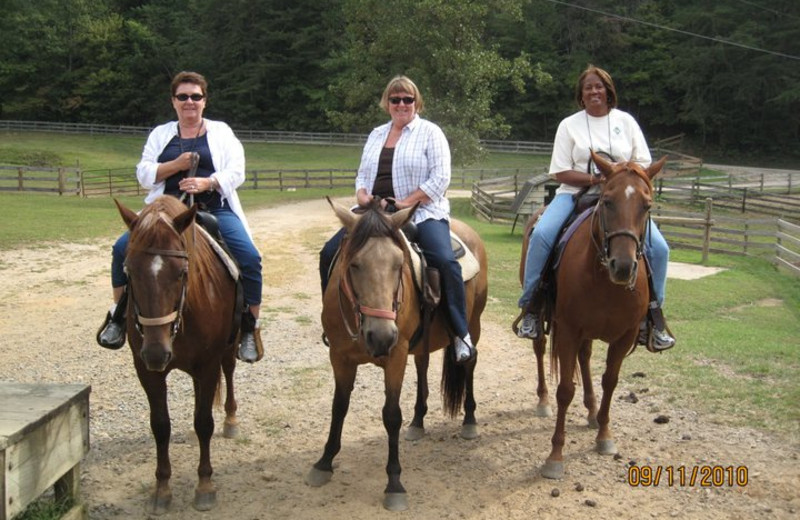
[
  {"x": 433, "y": 237},
  {"x": 239, "y": 244},
  {"x": 544, "y": 235}
]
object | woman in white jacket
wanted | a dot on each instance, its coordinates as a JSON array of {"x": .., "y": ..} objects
[{"x": 163, "y": 169}]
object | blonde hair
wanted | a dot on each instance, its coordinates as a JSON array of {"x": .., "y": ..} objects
[{"x": 401, "y": 84}]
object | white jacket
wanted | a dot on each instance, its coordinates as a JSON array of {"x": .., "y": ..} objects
[{"x": 227, "y": 155}]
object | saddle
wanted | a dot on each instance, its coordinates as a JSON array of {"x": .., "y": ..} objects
[{"x": 209, "y": 226}]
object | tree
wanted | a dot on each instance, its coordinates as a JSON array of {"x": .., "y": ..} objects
[{"x": 441, "y": 46}]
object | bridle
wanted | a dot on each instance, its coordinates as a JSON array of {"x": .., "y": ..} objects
[
  {"x": 176, "y": 316},
  {"x": 604, "y": 249},
  {"x": 359, "y": 310}
]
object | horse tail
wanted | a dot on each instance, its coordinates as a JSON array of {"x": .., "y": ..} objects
[
  {"x": 218, "y": 392},
  {"x": 553, "y": 354},
  {"x": 453, "y": 387}
]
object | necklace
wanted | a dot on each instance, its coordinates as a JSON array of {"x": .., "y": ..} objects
[
  {"x": 194, "y": 141},
  {"x": 589, "y": 131}
]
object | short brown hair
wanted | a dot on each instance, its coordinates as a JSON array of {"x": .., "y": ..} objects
[
  {"x": 605, "y": 77},
  {"x": 189, "y": 77},
  {"x": 401, "y": 84}
]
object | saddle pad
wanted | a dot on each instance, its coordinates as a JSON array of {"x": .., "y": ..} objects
[
  {"x": 230, "y": 265},
  {"x": 469, "y": 264}
]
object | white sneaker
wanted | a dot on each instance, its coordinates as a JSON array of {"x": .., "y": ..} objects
[
  {"x": 464, "y": 349},
  {"x": 529, "y": 328}
]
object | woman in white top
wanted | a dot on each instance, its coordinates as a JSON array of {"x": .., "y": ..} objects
[{"x": 601, "y": 127}]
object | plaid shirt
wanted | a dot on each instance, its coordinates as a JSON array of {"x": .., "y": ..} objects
[{"x": 421, "y": 160}]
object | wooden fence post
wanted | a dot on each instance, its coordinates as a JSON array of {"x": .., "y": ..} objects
[
  {"x": 707, "y": 231},
  {"x": 19, "y": 180},
  {"x": 61, "y": 181}
]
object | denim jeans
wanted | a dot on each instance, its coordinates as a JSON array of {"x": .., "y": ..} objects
[
  {"x": 544, "y": 235},
  {"x": 239, "y": 244}
]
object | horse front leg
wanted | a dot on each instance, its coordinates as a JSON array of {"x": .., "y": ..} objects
[
  {"x": 554, "y": 465},
  {"x": 416, "y": 430},
  {"x": 604, "y": 444},
  {"x": 589, "y": 398},
  {"x": 394, "y": 498},
  {"x": 155, "y": 386},
  {"x": 230, "y": 428},
  {"x": 543, "y": 406},
  {"x": 344, "y": 375},
  {"x": 205, "y": 388}
]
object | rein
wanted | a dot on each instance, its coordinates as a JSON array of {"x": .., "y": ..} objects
[{"x": 359, "y": 310}]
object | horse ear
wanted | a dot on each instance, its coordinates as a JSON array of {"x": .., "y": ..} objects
[
  {"x": 347, "y": 217},
  {"x": 656, "y": 167},
  {"x": 602, "y": 164},
  {"x": 128, "y": 216},
  {"x": 399, "y": 218},
  {"x": 185, "y": 219}
]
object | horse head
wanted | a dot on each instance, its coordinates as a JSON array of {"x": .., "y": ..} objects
[
  {"x": 372, "y": 261},
  {"x": 622, "y": 214},
  {"x": 157, "y": 265}
]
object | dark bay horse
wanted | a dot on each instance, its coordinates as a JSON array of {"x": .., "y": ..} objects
[
  {"x": 180, "y": 309},
  {"x": 370, "y": 313},
  {"x": 602, "y": 293}
]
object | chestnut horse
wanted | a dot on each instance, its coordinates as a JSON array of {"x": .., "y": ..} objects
[
  {"x": 180, "y": 316},
  {"x": 601, "y": 293},
  {"x": 370, "y": 312}
]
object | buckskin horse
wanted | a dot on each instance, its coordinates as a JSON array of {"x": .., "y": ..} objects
[
  {"x": 180, "y": 316},
  {"x": 601, "y": 293},
  {"x": 371, "y": 310}
]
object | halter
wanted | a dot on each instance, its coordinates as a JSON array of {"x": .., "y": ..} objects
[
  {"x": 604, "y": 249},
  {"x": 359, "y": 310},
  {"x": 176, "y": 316}
]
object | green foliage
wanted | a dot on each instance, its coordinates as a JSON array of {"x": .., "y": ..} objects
[
  {"x": 723, "y": 73},
  {"x": 441, "y": 47}
]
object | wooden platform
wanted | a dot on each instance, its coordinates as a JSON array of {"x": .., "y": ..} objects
[{"x": 44, "y": 434}]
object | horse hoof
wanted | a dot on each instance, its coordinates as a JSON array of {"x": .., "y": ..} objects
[
  {"x": 414, "y": 433},
  {"x": 159, "y": 504},
  {"x": 230, "y": 431},
  {"x": 543, "y": 410},
  {"x": 469, "y": 431},
  {"x": 395, "y": 501},
  {"x": 553, "y": 469},
  {"x": 592, "y": 422},
  {"x": 606, "y": 447},
  {"x": 317, "y": 477},
  {"x": 205, "y": 500}
]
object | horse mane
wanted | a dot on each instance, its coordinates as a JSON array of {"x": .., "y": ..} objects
[
  {"x": 372, "y": 224},
  {"x": 636, "y": 168},
  {"x": 155, "y": 226}
]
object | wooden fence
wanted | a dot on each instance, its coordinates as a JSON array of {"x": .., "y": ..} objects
[
  {"x": 787, "y": 247},
  {"x": 31, "y": 178}
]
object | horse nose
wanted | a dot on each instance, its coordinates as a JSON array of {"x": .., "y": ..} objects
[
  {"x": 156, "y": 357},
  {"x": 380, "y": 342},
  {"x": 622, "y": 269}
]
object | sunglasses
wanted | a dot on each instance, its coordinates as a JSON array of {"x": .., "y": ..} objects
[
  {"x": 406, "y": 100},
  {"x": 194, "y": 97}
]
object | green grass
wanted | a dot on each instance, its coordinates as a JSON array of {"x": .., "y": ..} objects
[{"x": 92, "y": 152}]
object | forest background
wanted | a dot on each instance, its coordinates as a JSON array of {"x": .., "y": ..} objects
[{"x": 726, "y": 73}]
